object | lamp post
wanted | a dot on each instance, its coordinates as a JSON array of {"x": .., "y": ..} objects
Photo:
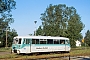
[{"x": 35, "y": 27}]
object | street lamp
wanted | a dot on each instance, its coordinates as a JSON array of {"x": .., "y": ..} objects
[{"x": 35, "y": 27}]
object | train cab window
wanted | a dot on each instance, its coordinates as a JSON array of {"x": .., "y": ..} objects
[
  {"x": 56, "y": 41},
  {"x": 35, "y": 41},
  {"x": 43, "y": 41},
  {"x": 19, "y": 41},
  {"x": 15, "y": 41},
  {"x": 62, "y": 41},
  {"x": 49, "y": 41}
]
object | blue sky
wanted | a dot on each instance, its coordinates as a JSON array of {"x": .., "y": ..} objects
[{"x": 28, "y": 11}]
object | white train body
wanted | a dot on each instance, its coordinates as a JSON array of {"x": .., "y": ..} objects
[{"x": 33, "y": 44}]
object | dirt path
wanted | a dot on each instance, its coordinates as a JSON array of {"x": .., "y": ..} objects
[{"x": 5, "y": 53}]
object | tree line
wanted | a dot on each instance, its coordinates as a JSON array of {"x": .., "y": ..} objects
[
  {"x": 61, "y": 20},
  {"x": 6, "y": 19}
]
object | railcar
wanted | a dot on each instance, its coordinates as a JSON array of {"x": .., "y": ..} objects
[{"x": 33, "y": 44}]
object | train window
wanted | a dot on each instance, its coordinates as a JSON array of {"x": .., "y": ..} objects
[
  {"x": 67, "y": 42},
  {"x": 27, "y": 41},
  {"x": 49, "y": 41},
  {"x": 15, "y": 41},
  {"x": 24, "y": 41},
  {"x": 35, "y": 41},
  {"x": 42, "y": 41},
  {"x": 62, "y": 41},
  {"x": 19, "y": 41},
  {"x": 56, "y": 41}
]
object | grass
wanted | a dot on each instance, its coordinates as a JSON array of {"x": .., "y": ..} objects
[
  {"x": 80, "y": 51},
  {"x": 3, "y": 49},
  {"x": 74, "y": 52},
  {"x": 8, "y": 56}
]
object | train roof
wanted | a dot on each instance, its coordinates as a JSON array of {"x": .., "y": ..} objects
[{"x": 41, "y": 37}]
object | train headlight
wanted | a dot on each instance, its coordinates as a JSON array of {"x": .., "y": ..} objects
[
  {"x": 12, "y": 51},
  {"x": 18, "y": 52}
]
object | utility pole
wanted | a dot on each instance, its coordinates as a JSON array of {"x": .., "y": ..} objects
[
  {"x": 6, "y": 37},
  {"x": 7, "y": 29}
]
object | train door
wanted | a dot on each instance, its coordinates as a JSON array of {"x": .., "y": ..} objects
[
  {"x": 67, "y": 45},
  {"x": 26, "y": 45}
]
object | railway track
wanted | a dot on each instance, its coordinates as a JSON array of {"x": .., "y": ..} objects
[
  {"x": 52, "y": 56},
  {"x": 65, "y": 56},
  {"x": 45, "y": 56}
]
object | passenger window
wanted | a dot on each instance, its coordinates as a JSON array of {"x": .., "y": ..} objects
[
  {"x": 27, "y": 41},
  {"x": 42, "y": 41},
  {"x": 35, "y": 41},
  {"x": 49, "y": 41},
  {"x": 62, "y": 41},
  {"x": 67, "y": 42},
  {"x": 56, "y": 41}
]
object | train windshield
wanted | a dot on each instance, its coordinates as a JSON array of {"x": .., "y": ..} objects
[{"x": 17, "y": 41}]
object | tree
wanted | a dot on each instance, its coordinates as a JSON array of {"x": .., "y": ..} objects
[
  {"x": 12, "y": 33},
  {"x": 39, "y": 31},
  {"x": 75, "y": 26},
  {"x": 5, "y": 16},
  {"x": 6, "y": 19},
  {"x": 61, "y": 20},
  {"x": 87, "y": 38}
]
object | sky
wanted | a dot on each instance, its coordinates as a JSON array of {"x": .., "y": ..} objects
[{"x": 28, "y": 11}]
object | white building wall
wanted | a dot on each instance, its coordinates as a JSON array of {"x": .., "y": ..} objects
[{"x": 78, "y": 43}]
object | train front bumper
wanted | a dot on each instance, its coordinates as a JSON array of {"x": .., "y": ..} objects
[{"x": 16, "y": 51}]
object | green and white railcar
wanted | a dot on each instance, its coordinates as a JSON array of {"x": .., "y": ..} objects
[{"x": 33, "y": 44}]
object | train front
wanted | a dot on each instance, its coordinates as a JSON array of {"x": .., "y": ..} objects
[{"x": 16, "y": 46}]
